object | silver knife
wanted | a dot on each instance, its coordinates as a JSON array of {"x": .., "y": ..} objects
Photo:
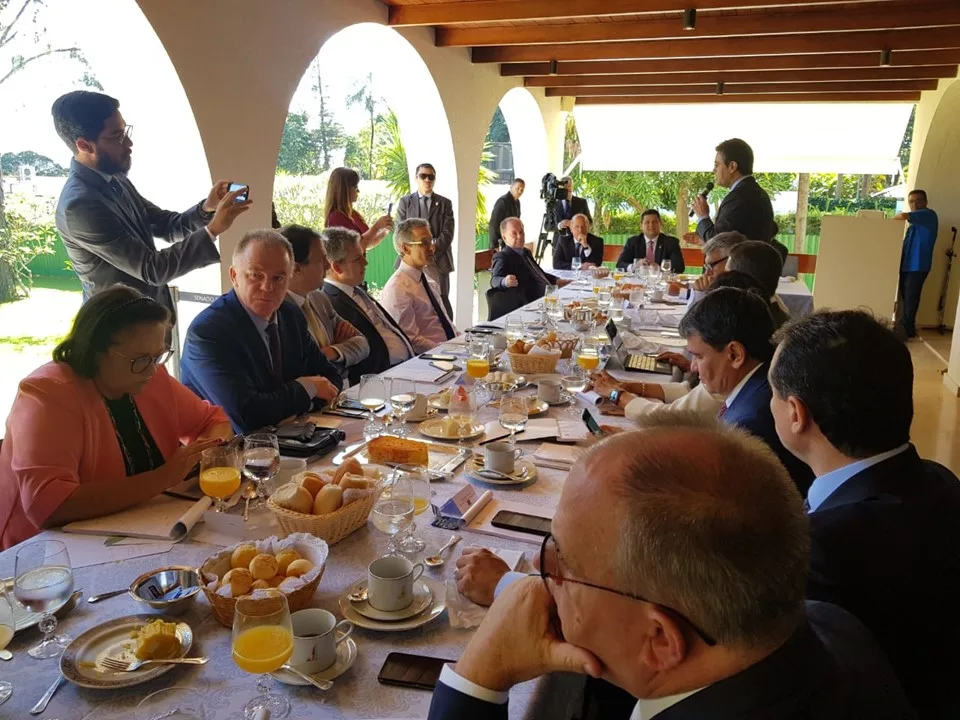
[{"x": 42, "y": 704}]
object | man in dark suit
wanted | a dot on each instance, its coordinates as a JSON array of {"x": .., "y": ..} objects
[
  {"x": 389, "y": 345},
  {"x": 728, "y": 333},
  {"x": 514, "y": 271},
  {"x": 507, "y": 205},
  {"x": 746, "y": 208},
  {"x": 883, "y": 522},
  {"x": 108, "y": 228},
  {"x": 251, "y": 352},
  {"x": 438, "y": 211},
  {"x": 676, "y": 569},
  {"x": 564, "y": 210},
  {"x": 581, "y": 244},
  {"x": 652, "y": 245}
]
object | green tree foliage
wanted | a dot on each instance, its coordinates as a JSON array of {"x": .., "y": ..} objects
[
  {"x": 330, "y": 133},
  {"x": 363, "y": 96},
  {"x": 21, "y": 240},
  {"x": 498, "y": 132},
  {"x": 486, "y": 176},
  {"x": 299, "y": 147},
  {"x": 45, "y": 167},
  {"x": 393, "y": 158}
]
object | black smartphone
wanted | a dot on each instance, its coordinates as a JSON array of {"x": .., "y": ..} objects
[
  {"x": 439, "y": 356},
  {"x": 351, "y": 404},
  {"x": 242, "y": 197},
  {"x": 390, "y": 209},
  {"x": 591, "y": 422},
  {"x": 416, "y": 671},
  {"x": 521, "y": 523}
]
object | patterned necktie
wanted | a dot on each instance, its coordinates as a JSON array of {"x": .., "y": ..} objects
[
  {"x": 651, "y": 251},
  {"x": 722, "y": 411},
  {"x": 374, "y": 308},
  {"x": 316, "y": 327},
  {"x": 273, "y": 338},
  {"x": 447, "y": 327}
]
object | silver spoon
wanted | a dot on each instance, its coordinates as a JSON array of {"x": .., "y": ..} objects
[
  {"x": 319, "y": 684},
  {"x": 6, "y": 655},
  {"x": 497, "y": 475},
  {"x": 436, "y": 560},
  {"x": 358, "y": 596},
  {"x": 248, "y": 493},
  {"x": 105, "y": 596}
]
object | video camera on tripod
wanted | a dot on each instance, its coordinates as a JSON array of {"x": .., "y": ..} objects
[{"x": 551, "y": 192}]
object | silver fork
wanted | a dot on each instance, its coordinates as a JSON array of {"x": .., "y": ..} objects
[{"x": 121, "y": 666}]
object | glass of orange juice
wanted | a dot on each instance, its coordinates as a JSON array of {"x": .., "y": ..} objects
[
  {"x": 478, "y": 364},
  {"x": 587, "y": 354},
  {"x": 220, "y": 474},
  {"x": 262, "y": 643}
]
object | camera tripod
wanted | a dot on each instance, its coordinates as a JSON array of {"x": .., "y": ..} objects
[{"x": 942, "y": 304}]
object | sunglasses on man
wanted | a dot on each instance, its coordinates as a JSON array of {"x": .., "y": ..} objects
[{"x": 427, "y": 176}]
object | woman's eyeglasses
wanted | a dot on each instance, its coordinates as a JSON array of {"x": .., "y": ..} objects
[{"x": 142, "y": 363}]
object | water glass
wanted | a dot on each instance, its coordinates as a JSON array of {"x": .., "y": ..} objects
[
  {"x": 575, "y": 264},
  {"x": 262, "y": 642},
  {"x": 638, "y": 298},
  {"x": 403, "y": 397},
  {"x": 616, "y": 309},
  {"x": 6, "y": 635},
  {"x": 604, "y": 298},
  {"x": 261, "y": 460},
  {"x": 220, "y": 474},
  {"x": 513, "y": 413},
  {"x": 372, "y": 394},
  {"x": 420, "y": 490},
  {"x": 395, "y": 508},
  {"x": 44, "y": 582},
  {"x": 513, "y": 326},
  {"x": 666, "y": 266}
]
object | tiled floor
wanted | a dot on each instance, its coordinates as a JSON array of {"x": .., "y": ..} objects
[{"x": 936, "y": 413}]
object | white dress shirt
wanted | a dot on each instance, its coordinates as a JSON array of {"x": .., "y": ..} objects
[
  {"x": 406, "y": 300},
  {"x": 678, "y": 398},
  {"x": 397, "y": 346},
  {"x": 736, "y": 391}
]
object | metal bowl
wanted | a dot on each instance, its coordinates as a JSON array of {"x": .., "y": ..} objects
[{"x": 171, "y": 589}]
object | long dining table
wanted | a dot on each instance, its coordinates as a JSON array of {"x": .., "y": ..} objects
[{"x": 356, "y": 694}]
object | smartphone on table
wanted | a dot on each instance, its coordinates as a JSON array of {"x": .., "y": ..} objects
[
  {"x": 242, "y": 197},
  {"x": 520, "y": 522},
  {"x": 591, "y": 422},
  {"x": 414, "y": 671}
]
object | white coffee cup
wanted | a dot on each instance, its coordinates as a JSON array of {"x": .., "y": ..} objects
[
  {"x": 501, "y": 456},
  {"x": 625, "y": 323},
  {"x": 419, "y": 409},
  {"x": 657, "y": 294},
  {"x": 549, "y": 390},
  {"x": 498, "y": 341},
  {"x": 316, "y": 635},
  {"x": 390, "y": 582}
]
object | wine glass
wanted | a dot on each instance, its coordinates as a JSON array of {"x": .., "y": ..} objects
[
  {"x": 666, "y": 266},
  {"x": 551, "y": 303},
  {"x": 513, "y": 413},
  {"x": 7, "y": 629},
  {"x": 371, "y": 395},
  {"x": 587, "y": 354},
  {"x": 575, "y": 381},
  {"x": 262, "y": 643},
  {"x": 604, "y": 298},
  {"x": 513, "y": 327},
  {"x": 420, "y": 490},
  {"x": 575, "y": 264},
  {"x": 220, "y": 474},
  {"x": 395, "y": 508},
  {"x": 44, "y": 582},
  {"x": 617, "y": 305},
  {"x": 261, "y": 460},
  {"x": 463, "y": 411},
  {"x": 403, "y": 397}
]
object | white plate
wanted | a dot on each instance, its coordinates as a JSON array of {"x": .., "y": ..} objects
[
  {"x": 434, "y": 429},
  {"x": 422, "y": 599},
  {"x": 431, "y": 413},
  {"x": 535, "y": 406},
  {"x": 517, "y": 478},
  {"x": 346, "y": 656},
  {"x": 430, "y": 614},
  {"x": 115, "y": 638}
]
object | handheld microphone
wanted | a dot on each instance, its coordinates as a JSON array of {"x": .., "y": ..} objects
[{"x": 706, "y": 191}]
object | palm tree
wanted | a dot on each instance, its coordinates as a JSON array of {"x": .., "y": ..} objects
[
  {"x": 486, "y": 176},
  {"x": 363, "y": 95},
  {"x": 394, "y": 157}
]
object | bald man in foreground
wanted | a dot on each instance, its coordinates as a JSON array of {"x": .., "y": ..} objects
[{"x": 676, "y": 571}]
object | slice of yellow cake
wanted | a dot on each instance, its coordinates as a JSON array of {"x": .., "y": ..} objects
[
  {"x": 158, "y": 641},
  {"x": 400, "y": 451}
]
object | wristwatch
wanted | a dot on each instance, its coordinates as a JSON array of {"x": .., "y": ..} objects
[{"x": 615, "y": 395}]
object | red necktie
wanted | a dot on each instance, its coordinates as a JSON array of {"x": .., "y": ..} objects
[{"x": 722, "y": 412}]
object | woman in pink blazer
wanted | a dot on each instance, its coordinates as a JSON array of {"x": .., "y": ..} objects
[{"x": 100, "y": 428}]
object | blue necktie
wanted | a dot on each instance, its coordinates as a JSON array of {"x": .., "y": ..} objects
[{"x": 273, "y": 338}]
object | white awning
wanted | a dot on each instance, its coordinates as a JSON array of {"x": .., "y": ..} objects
[{"x": 849, "y": 138}]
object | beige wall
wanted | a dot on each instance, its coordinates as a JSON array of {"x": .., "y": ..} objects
[{"x": 240, "y": 62}]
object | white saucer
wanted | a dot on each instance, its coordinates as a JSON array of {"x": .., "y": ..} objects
[
  {"x": 428, "y": 615},
  {"x": 346, "y": 656},
  {"x": 422, "y": 598},
  {"x": 434, "y": 429},
  {"x": 565, "y": 398},
  {"x": 518, "y": 477}
]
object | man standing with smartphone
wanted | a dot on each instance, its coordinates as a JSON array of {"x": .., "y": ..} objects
[{"x": 107, "y": 227}]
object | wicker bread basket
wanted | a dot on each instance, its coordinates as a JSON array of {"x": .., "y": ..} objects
[
  {"x": 332, "y": 527},
  {"x": 213, "y": 569},
  {"x": 533, "y": 363}
]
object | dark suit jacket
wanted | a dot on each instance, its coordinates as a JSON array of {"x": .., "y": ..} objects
[
  {"x": 530, "y": 284},
  {"x": 504, "y": 207},
  {"x": 746, "y": 209},
  {"x": 751, "y": 411},
  {"x": 441, "y": 222},
  {"x": 226, "y": 361},
  {"x": 667, "y": 247},
  {"x": 110, "y": 237},
  {"x": 830, "y": 669},
  {"x": 566, "y": 248},
  {"x": 576, "y": 206},
  {"x": 379, "y": 358},
  {"x": 885, "y": 545}
]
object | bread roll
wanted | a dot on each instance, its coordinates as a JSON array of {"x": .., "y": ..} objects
[
  {"x": 299, "y": 567},
  {"x": 353, "y": 494},
  {"x": 328, "y": 500},
  {"x": 240, "y": 581},
  {"x": 260, "y": 585},
  {"x": 313, "y": 483},
  {"x": 360, "y": 482},
  {"x": 242, "y": 555},
  {"x": 284, "y": 558},
  {"x": 294, "y": 497},
  {"x": 351, "y": 466},
  {"x": 275, "y": 581},
  {"x": 264, "y": 567}
]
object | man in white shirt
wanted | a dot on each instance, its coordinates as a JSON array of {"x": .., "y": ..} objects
[
  {"x": 675, "y": 570},
  {"x": 410, "y": 295}
]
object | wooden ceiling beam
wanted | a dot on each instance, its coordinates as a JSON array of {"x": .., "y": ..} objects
[
  {"x": 913, "y": 58},
  {"x": 746, "y": 88},
  {"x": 873, "y": 16},
  {"x": 934, "y": 38},
  {"x": 906, "y": 97},
  {"x": 756, "y": 76},
  {"x": 492, "y": 11}
]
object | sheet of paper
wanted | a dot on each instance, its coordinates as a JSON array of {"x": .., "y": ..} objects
[
  {"x": 160, "y": 518},
  {"x": 537, "y": 429},
  {"x": 88, "y": 550},
  {"x": 416, "y": 372},
  {"x": 572, "y": 431},
  {"x": 482, "y": 522},
  {"x": 563, "y": 454}
]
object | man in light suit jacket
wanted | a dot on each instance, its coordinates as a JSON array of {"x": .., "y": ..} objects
[
  {"x": 728, "y": 334},
  {"x": 438, "y": 212},
  {"x": 108, "y": 228},
  {"x": 883, "y": 522},
  {"x": 507, "y": 205},
  {"x": 746, "y": 208},
  {"x": 643, "y": 581},
  {"x": 652, "y": 245},
  {"x": 250, "y": 351},
  {"x": 389, "y": 344}
]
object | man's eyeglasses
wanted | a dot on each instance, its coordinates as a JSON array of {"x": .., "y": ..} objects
[
  {"x": 427, "y": 176},
  {"x": 142, "y": 363},
  {"x": 709, "y": 266},
  {"x": 432, "y": 242},
  {"x": 122, "y": 136},
  {"x": 550, "y": 568}
]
